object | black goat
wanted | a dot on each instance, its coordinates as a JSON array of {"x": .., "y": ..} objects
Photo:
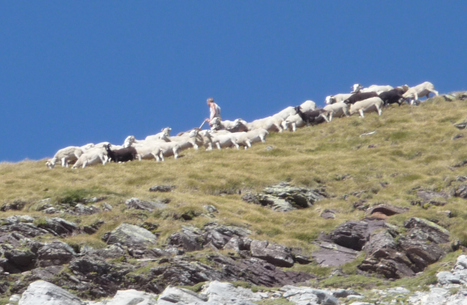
[
  {"x": 121, "y": 155},
  {"x": 312, "y": 117},
  {"x": 360, "y": 97},
  {"x": 392, "y": 96}
]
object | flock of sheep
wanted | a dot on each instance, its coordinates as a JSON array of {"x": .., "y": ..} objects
[{"x": 224, "y": 133}]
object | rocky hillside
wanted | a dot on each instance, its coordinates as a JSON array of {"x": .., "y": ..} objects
[{"x": 334, "y": 211}]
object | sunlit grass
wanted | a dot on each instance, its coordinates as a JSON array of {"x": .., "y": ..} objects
[{"x": 411, "y": 148}]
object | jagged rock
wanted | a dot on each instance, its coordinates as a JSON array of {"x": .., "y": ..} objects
[
  {"x": 331, "y": 254},
  {"x": 328, "y": 214},
  {"x": 19, "y": 260},
  {"x": 351, "y": 234},
  {"x": 135, "y": 203},
  {"x": 82, "y": 209},
  {"x": 431, "y": 197},
  {"x": 91, "y": 229},
  {"x": 130, "y": 236},
  {"x": 272, "y": 253},
  {"x": 210, "y": 209},
  {"x": 423, "y": 229},
  {"x": 55, "y": 253},
  {"x": 188, "y": 241},
  {"x": 461, "y": 191},
  {"x": 90, "y": 263},
  {"x": 16, "y": 205},
  {"x": 162, "y": 188},
  {"x": 412, "y": 252},
  {"x": 220, "y": 236},
  {"x": 384, "y": 258},
  {"x": 44, "y": 293},
  {"x": 26, "y": 229},
  {"x": 58, "y": 226},
  {"x": 284, "y": 198}
]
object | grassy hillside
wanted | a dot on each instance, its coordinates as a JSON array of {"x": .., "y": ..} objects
[{"x": 411, "y": 148}]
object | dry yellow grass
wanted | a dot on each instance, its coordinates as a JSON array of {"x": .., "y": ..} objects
[{"x": 412, "y": 147}]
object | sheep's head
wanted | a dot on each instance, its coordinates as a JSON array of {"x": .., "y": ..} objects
[
  {"x": 166, "y": 131},
  {"x": 165, "y": 137},
  {"x": 50, "y": 163},
  {"x": 356, "y": 88},
  {"x": 193, "y": 133},
  {"x": 128, "y": 141},
  {"x": 328, "y": 99}
]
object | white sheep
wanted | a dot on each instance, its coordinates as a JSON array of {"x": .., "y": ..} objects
[
  {"x": 421, "y": 90},
  {"x": 163, "y": 135},
  {"x": 337, "y": 110},
  {"x": 187, "y": 140},
  {"x": 87, "y": 146},
  {"x": 307, "y": 105},
  {"x": 356, "y": 88},
  {"x": 149, "y": 150},
  {"x": 250, "y": 137},
  {"x": 221, "y": 140},
  {"x": 337, "y": 98},
  {"x": 368, "y": 105},
  {"x": 295, "y": 121},
  {"x": 269, "y": 123},
  {"x": 91, "y": 156},
  {"x": 232, "y": 126},
  {"x": 284, "y": 113},
  {"x": 65, "y": 156}
]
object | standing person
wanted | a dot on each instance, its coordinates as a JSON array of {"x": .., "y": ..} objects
[{"x": 214, "y": 110}]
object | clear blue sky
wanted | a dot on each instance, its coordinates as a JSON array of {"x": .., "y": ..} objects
[{"x": 74, "y": 72}]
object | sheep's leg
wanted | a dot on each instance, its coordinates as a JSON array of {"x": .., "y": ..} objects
[
  {"x": 361, "y": 113},
  {"x": 235, "y": 144},
  {"x": 325, "y": 117},
  {"x": 294, "y": 127},
  {"x": 248, "y": 143},
  {"x": 380, "y": 110},
  {"x": 85, "y": 163},
  {"x": 64, "y": 162}
]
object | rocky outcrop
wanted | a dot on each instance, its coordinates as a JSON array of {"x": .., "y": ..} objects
[
  {"x": 284, "y": 197},
  {"x": 131, "y": 236},
  {"x": 135, "y": 203},
  {"x": 410, "y": 253}
]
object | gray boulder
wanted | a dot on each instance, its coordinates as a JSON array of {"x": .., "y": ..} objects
[
  {"x": 351, "y": 234},
  {"x": 130, "y": 236},
  {"x": 130, "y": 297},
  {"x": 44, "y": 293},
  {"x": 58, "y": 226},
  {"x": 135, "y": 203},
  {"x": 54, "y": 253},
  {"x": 272, "y": 253},
  {"x": 284, "y": 197}
]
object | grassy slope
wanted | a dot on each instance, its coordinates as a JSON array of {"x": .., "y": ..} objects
[{"x": 413, "y": 147}]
